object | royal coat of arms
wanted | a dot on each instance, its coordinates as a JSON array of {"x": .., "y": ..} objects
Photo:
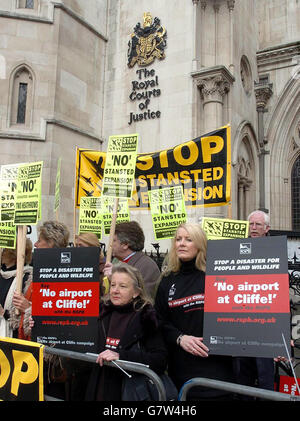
[{"x": 147, "y": 43}]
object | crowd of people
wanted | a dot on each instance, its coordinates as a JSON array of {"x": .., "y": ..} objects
[{"x": 139, "y": 319}]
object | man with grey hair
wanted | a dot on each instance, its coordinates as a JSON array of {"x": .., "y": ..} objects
[
  {"x": 251, "y": 371},
  {"x": 259, "y": 224}
]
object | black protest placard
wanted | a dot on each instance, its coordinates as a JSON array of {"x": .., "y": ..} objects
[
  {"x": 247, "y": 310},
  {"x": 21, "y": 370},
  {"x": 65, "y": 303}
]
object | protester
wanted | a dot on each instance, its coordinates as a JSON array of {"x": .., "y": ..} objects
[
  {"x": 180, "y": 306},
  {"x": 89, "y": 239},
  {"x": 10, "y": 300},
  {"x": 251, "y": 371},
  {"x": 127, "y": 246},
  {"x": 128, "y": 330},
  {"x": 79, "y": 371},
  {"x": 52, "y": 234}
]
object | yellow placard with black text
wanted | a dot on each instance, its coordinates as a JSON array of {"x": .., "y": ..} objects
[
  {"x": 218, "y": 228},
  {"x": 202, "y": 166},
  {"x": 120, "y": 166},
  {"x": 167, "y": 211},
  {"x": 21, "y": 370}
]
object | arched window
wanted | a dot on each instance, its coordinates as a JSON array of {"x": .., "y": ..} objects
[
  {"x": 26, "y": 4},
  {"x": 245, "y": 180},
  {"x": 295, "y": 183},
  {"x": 21, "y": 97}
]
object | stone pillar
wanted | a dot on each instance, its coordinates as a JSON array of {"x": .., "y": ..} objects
[
  {"x": 195, "y": 43},
  {"x": 203, "y": 31},
  {"x": 230, "y": 4},
  {"x": 263, "y": 92},
  {"x": 214, "y": 83}
]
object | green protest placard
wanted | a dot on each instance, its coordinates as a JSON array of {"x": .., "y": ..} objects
[
  {"x": 218, "y": 228},
  {"x": 108, "y": 208},
  {"x": 119, "y": 170},
  {"x": 8, "y": 184},
  {"x": 167, "y": 210},
  {"x": 28, "y": 193},
  {"x": 57, "y": 187},
  {"x": 10, "y": 172},
  {"x": 7, "y": 201},
  {"x": 8, "y": 235},
  {"x": 90, "y": 216}
]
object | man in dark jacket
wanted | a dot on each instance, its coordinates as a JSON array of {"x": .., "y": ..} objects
[
  {"x": 251, "y": 371},
  {"x": 127, "y": 247}
]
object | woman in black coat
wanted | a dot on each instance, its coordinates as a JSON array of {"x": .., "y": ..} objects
[
  {"x": 127, "y": 330},
  {"x": 180, "y": 306}
]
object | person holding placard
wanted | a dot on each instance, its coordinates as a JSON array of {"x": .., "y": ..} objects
[
  {"x": 52, "y": 234},
  {"x": 180, "y": 305},
  {"x": 10, "y": 301},
  {"x": 128, "y": 330},
  {"x": 127, "y": 247},
  {"x": 251, "y": 371}
]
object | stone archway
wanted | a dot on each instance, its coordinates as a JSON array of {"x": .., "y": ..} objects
[
  {"x": 283, "y": 136},
  {"x": 245, "y": 174}
]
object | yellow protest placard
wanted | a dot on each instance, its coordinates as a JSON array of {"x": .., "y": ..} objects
[
  {"x": 28, "y": 193},
  {"x": 21, "y": 368},
  {"x": 108, "y": 209},
  {"x": 218, "y": 228},
  {"x": 167, "y": 210},
  {"x": 90, "y": 216},
  {"x": 120, "y": 165}
]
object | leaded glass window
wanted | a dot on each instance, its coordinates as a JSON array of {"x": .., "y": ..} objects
[
  {"x": 22, "y": 99},
  {"x": 29, "y": 4},
  {"x": 296, "y": 195}
]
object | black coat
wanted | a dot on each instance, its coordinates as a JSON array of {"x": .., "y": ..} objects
[{"x": 142, "y": 342}]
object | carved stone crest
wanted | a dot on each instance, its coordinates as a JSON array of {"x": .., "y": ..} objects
[{"x": 147, "y": 42}]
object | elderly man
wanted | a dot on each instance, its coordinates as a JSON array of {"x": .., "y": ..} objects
[
  {"x": 127, "y": 246},
  {"x": 259, "y": 224},
  {"x": 256, "y": 372}
]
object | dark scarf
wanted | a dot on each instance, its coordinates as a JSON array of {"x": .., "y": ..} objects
[{"x": 120, "y": 317}]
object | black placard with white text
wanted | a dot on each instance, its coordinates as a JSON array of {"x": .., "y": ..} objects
[
  {"x": 247, "y": 311},
  {"x": 65, "y": 297}
]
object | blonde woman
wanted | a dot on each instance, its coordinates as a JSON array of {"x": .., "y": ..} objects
[
  {"x": 128, "y": 330},
  {"x": 180, "y": 305}
]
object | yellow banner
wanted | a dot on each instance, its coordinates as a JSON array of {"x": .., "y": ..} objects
[
  {"x": 202, "y": 166},
  {"x": 21, "y": 370}
]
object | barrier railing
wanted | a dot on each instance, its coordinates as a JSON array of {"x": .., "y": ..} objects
[
  {"x": 234, "y": 388},
  {"x": 197, "y": 381},
  {"x": 124, "y": 365}
]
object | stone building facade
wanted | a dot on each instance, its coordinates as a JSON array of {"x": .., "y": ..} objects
[{"x": 65, "y": 82}]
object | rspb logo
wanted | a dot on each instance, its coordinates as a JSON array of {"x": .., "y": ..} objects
[
  {"x": 245, "y": 248},
  {"x": 65, "y": 257}
]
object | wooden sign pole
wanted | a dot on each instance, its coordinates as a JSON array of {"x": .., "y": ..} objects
[
  {"x": 21, "y": 245},
  {"x": 112, "y": 231}
]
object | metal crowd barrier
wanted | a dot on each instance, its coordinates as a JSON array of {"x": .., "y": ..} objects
[
  {"x": 197, "y": 381},
  {"x": 235, "y": 388},
  {"x": 124, "y": 365}
]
